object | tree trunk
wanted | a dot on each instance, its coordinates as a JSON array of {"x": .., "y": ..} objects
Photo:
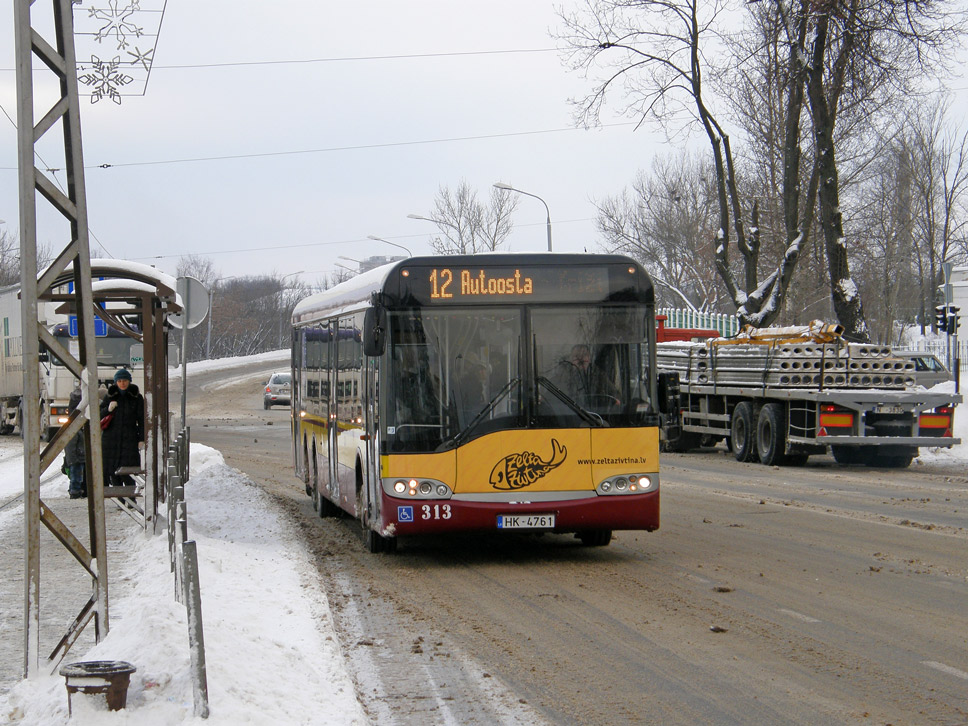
[{"x": 843, "y": 290}]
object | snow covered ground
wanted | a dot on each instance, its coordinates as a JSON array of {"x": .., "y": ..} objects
[
  {"x": 272, "y": 655},
  {"x": 271, "y": 652}
]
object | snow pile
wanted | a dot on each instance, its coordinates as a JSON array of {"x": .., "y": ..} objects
[
  {"x": 952, "y": 454},
  {"x": 273, "y": 356},
  {"x": 270, "y": 648}
]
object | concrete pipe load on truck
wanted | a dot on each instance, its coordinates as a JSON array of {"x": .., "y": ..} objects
[{"x": 778, "y": 395}]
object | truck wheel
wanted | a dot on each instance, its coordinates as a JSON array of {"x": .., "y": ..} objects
[
  {"x": 847, "y": 455},
  {"x": 685, "y": 441},
  {"x": 770, "y": 436},
  {"x": 898, "y": 461},
  {"x": 741, "y": 432}
]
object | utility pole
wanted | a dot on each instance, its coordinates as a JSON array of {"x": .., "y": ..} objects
[{"x": 58, "y": 57}]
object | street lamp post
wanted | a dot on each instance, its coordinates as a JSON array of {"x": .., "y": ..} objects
[
  {"x": 394, "y": 244},
  {"x": 509, "y": 188},
  {"x": 442, "y": 223}
]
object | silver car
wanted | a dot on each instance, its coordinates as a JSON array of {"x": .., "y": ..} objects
[
  {"x": 928, "y": 370},
  {"x": 278, "y": 389}
]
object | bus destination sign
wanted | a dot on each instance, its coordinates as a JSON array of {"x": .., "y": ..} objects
[{"x": 434, "y": 285}]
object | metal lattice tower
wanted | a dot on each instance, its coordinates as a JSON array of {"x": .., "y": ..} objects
[{"x": 59, "y": 58}]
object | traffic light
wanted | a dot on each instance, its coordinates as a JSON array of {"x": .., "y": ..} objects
[
  {"x": 941, "y": 317},
  {"x": 953, "y": 319}
]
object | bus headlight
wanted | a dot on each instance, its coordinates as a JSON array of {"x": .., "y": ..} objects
[
  {"x": 413, "y": 488},
  {"x": 628, "y": 484}
]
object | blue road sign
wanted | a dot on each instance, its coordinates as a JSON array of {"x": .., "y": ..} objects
[{"x": 100, "y": 327}]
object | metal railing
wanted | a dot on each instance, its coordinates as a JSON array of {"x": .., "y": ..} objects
[
  {"x": 726, "y": 324},
  {"x": 184, "y": 565}
]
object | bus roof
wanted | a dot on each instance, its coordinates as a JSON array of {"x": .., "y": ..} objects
[{"x": 357, "y": 293}]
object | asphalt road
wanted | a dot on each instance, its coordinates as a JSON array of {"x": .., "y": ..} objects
[{"x": 814, "y": 595}]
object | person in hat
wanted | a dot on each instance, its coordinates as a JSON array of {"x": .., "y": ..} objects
[
  {"x": 123, "y": 436},
  {"x": 75, "y": 455}
]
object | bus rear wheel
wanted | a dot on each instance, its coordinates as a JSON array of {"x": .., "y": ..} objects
[{"x": 595, "y": 537}]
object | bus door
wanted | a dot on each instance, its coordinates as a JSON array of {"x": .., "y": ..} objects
[
  {"x": 371, "y": 463},
  {"x": 324, "y": 410},
  {"x": 346, "y": 410}
]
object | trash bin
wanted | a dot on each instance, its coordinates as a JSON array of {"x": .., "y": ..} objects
[{"x": 97, "y": 677}]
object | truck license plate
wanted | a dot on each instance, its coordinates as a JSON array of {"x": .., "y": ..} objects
[
  {"x": 888, "y": 408},
  {"x": 525, "y": 521}
]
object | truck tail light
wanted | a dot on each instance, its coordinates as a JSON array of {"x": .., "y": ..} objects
[
  {"x": 832, "y": 416},
  {"x": 940, "y": 418}
]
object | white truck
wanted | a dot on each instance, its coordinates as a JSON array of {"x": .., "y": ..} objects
[
  {"x": 114, "y": 350},
  {"x": 778, "y": 395}
]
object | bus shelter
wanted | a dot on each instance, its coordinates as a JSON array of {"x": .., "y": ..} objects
[{"x": 135, "y": 300}]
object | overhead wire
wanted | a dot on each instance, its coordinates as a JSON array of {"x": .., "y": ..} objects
[
  {"x": 343, "y": 59},
  {"x": 323, "y": 244},
  {"x": 48, "y": 168},
  {"x": 357, "y": 147}
]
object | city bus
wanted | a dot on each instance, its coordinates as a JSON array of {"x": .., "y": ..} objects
[{"x": 494, "y": 392}]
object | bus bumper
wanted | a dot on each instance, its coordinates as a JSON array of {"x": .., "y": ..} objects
[{"x": 630, "y": 511}]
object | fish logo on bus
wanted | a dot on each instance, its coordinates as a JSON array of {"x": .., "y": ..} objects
[{"x": 517, "y": 471}]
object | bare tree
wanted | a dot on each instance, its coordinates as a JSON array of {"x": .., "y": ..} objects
[
  {"x": 862, "y": 52},
  {"x": 468, "y": 226},
  {"x": 940, "y": 187},
  {"x": 883, "y": 226},
  {"x": 9, "y": 259},
  {"x": 665, "y": 223},
  {"x": 829, "y": 55},
  {"x": 200, "y": 267},
  {"x": 654, "y": 52}
]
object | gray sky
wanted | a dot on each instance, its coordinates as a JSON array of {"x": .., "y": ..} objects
[
  {"x": 284, "y": 212},
  {"x": 376, "y": 131}
]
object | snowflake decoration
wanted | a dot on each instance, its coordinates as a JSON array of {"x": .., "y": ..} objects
[
  {"x": 105, "y": 79},
  {"x": 141, "y": 57},
  {"x": 116, "y": 22}
]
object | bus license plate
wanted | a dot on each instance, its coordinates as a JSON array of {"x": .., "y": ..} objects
[{"x": 525, "y": 521}]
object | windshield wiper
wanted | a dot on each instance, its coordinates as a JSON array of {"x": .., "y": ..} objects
[
  {"x": 458, "y": 439},
  {"x": 588, "y": 416}
]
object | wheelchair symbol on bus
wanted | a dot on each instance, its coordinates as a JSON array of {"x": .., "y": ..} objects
[{"x": 404, "y": 514}]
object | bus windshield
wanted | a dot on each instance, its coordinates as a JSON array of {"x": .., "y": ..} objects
[{"x": 456, "y": 374}]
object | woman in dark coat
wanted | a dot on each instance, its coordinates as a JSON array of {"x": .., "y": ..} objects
[{"x": 123, "y": 438}]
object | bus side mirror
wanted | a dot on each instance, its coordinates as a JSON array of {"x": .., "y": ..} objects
[{"x": 374, "y": 331}]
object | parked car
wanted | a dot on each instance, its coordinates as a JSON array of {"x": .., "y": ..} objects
[
  {"x": 278, "y": 389},
  {"x": 928, "y": 370}
]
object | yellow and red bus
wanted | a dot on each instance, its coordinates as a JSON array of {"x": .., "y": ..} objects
[{"x": 488, "y": 392}]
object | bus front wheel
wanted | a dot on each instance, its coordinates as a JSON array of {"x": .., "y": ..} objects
[
  {"x": 595, "y": 537},
  {"x": 372, "y": 540}
]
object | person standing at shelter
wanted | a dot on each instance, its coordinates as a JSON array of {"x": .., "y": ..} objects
[
  {"x": 75, "y": 455},
  {"x": 123, "y": 436}
]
